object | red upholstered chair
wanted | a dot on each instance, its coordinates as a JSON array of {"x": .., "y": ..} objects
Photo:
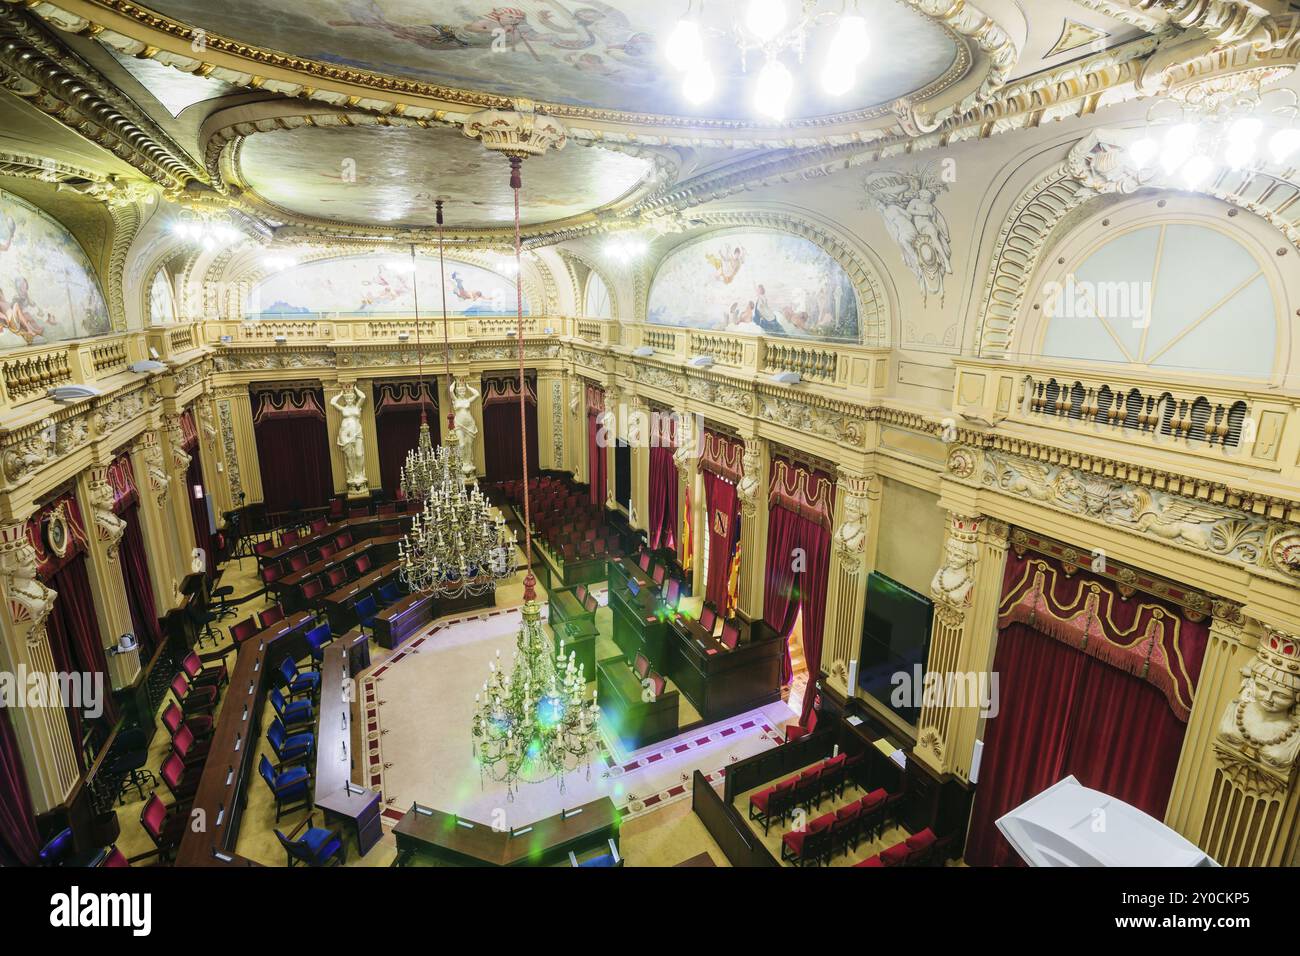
[
  {"x": 164, "y": 825},
  {"x": 673, "y": 593},
  {"x": 320, "y": 524},
  {"x": 657, "y": 684},
  {"x": 580, "y": 592},
  {"x": 869, "y": 862},
  {"x": 297, "y": 561},
  {"x": 327, "y": 550},
  {"x": 845, "y": 831},
  {"x": 336, "y": 509},
  {"x": 708, "y": 617},
  {"x": 730, "y": 635},
  {"x": 261, "y": 547},
  {"x": 659, "y": 573},
  {"x": 833, "y": 775},
  {"x": 344, "y": 540},
  {"x": 810, "y": 846},
  {"x": 641, "y": 666},
  {"x": 590, "y": 604},
  {"x": 243, "y": 630},
  {"x": 181, "y": 781},
  {"x": 570, "y": 552},
  {"x": 795, "y": 731},
  {"x": 807, "y": 789},
  {"x": 643, "y": 561},
  {"x": 272, "y": 615},
  {"x": 363, "y": 564},
  {"x": 586, "y": 549},
  {"x": 772, "y": 804},
  {"x": 896, "y": 855},
  {"x": 313, "y": 589},
  {"x": 923, "y": 849},
  {"x": 336, "y": 577},
  {"x": 271, "y": 573},
  {"x": 215, "y": 676},
  {"x": 871, "y": 824},
  {"x": 292, "y": 536},
  {"x": 590, "y": 534},
  {"x": 193, "y": 700},
  {"x": 200, "y": 725},
  {"x": 191, "y": 750}
]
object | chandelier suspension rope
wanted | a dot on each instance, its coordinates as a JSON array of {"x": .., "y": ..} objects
[
  {"x": 442, "y": 279},
  {"x": 419, "y": 352},
  {"x": 516, "y": 183}
]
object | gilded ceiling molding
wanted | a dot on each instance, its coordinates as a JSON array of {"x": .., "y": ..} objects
[
  {"x": 1127, "y": 13},
  {"x": 138, "y": 32},
  {"x": 1095, "y": 168},
  {"x": 874, "y": 313},
  {"x": 126, "y": 225},
  {"x": 109, "y": 189},
  {"x": 61, "y": 85}
]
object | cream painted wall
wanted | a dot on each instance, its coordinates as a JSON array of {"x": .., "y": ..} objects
[{"x": 911, "y": 534}]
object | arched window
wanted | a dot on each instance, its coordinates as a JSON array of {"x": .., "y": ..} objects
[
  {"x": 1175, "y": 296},
  {"x": 162, "y": 304},
  {"x": 596, "y": 302}
]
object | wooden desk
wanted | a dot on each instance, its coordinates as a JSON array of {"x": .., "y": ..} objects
[
  {"x": 639, "y": 627},
  {"x": 339, "y": 605},
  {"x": 364, "y": 527},
  {"x": 718, "y": 681},
  {"x": 578, "y": 638},
  {"x": 228, "y": 769},
  {"x": 634, "y": 721},
  {"x": 623, "y": 570},
  {"x": 565, "y": 606},
  {"x": 544, "y": 843},
  {"x": 334, "y": 792},
  {"x": 395, "y": 623}
]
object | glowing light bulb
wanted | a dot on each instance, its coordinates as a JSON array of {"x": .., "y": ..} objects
[
  {"x": 765, "y": 18},
  {"x": 850, "y": 43},
  {"x": 1178, "y": 146},
  {"x": 838, "y": 77},
  {"x": 1196, "y": 169},
  {"x": 1143, "y": 152},
  {"x": 698, "y": 84},
  {"x": 772, "y": 91},
  {"x": 685, "y": 47},
  {"x": 1283, "y": 143},
  {"x": 1242, "y": 138}
]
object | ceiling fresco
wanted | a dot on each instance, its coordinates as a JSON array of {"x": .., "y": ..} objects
[
  {"x": 390, "y": 176},
  {"x": 575, "y": 52}
]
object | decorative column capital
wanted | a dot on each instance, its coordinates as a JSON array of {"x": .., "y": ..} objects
[
  {"x": 176, "y": 438},
  {"x": 749, "y": 488},
  {"x": 109, "y": 528},
  {"x": 954, "y": 581},
  {"x": 29, "y": 600},
  {"x": 519, "y": 132},
  {"x": 150, "y": 451},
  {"x": 1259, "y": 734},
  {"x": 854, "y": 506}
]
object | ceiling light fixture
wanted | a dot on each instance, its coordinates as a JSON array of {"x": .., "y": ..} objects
[{"x": 625, "y": 248}]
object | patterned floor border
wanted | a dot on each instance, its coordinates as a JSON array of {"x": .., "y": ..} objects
[{"x": 633, "y": 804}]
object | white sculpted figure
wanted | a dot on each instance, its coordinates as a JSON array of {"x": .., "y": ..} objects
[
  {"x": 29, "y": 599},
  {"x": 351, "y": 440},
  {"x": 851, "y": 538},
  {"x": 1261, "y": 724},
  {"x": 110, "y": 526},
  {"x": 463, "y": 397},
  {"x": 955, "y": 578}
]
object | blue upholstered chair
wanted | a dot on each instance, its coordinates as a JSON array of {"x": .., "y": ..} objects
[
  {"x": 366, "y": 610},
  {"x": 295, "y": 714},
  {"x": 600, "y": 860},
  {"x": 289, "y": 747},
  {"x": 291, "y": 786},
  {"x": 318, "y": 638},
  {"x": 298, "y": 682},
  {"x": 390, "y": 593},
  {"x": 313, "y": 846}
]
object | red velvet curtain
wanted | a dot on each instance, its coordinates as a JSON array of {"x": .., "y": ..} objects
[
  {"x": 597, "y": 461},
  {"x": 501, "y": 439},
  {"x": 294, "y": 455},
  {"x": 139, "y": 589},
  {"x": 19, "y": 841},
  {"x": 398, "y": 431},
  {"x": 1063, "y": 712},
  {"x": 663, "y": 498},
  {"x": 74, "y": 638},
  {"x": 199, "y": 509},
  {"x": 722, "y": 512},
  {"x": 798, "y": 568}
]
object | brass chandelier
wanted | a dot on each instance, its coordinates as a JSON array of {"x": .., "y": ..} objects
[
  {"x": 536, "y": 722},
  {"x": 456, "y": 547}
]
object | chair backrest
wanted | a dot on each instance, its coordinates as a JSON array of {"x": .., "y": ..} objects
[
  {"x": 172, "y": 770},
  {"x": 344, "y": 540},
  {"x": 336, "y": 577},
  {"x": 658, "y": 574},
  {"x": 320, "y": 524},
  {"x": 644, "y": 560},
  {"x": 288, "y": 671},
  {"x": 366, "y": 608},
  {"x": 708, "y": 617},
  {"x": 275, "y": 735},
  {"x": 327, "y": 550},
  {"x": 318, "y": 636},
  {"x": 243, "y": 630},
  {"x": 115, "y": 858},
  {"x": 191, "y": 664},
  {"x": 290, "y": 537},
  {"x": 172, "y": 717},
  {"x": 389, "y": 593},
  {"x": 388, "y": 509},
  {"x": 580, "y": 592},
  {"x": 312, "y": 589},
  {"x": 267, "y": 771},
  {"x": 277, "y": 700},
  {"x": 336, "y": 508},
  {"x": 182, "y": 741},
  {"x": 673, "y": 593},
  {"x": 591, "y": 603},
  {"x": 363, "y": 564},
  {"x": 657, "y": 684},
  {"x": 298, "y": 561},
  {"x": 263, "y": 546},
  {"x": 730, "y": 634},
  {"x": 153, "y": 816},
  {"x": 180, "y": 687},
  {"x": 272, "y": 572},
  {"x": 272, "y": 615}
]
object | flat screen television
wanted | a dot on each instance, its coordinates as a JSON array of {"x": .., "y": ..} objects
[{"x": 895, "y": 645}]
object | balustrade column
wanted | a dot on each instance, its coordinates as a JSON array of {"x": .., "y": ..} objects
[
  {"x": 49, "y": 754},
  {"x": 752, "y": 491},
  {"x": 966, "y": 591},
  {"x": 104, "y": 531}
]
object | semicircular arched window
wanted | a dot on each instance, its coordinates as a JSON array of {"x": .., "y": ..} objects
[
  {"x": 1176, "y": 297},
  {"x": 596, "y": 302}
]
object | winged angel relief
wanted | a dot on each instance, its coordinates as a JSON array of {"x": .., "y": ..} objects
[{"x": 908, "y": 203}]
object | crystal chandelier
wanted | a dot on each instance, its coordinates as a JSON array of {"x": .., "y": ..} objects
[
  {"x": 768, "y": 30},
  {"x": 455, "y": 547},
  {"x": 536, "y": 722}
]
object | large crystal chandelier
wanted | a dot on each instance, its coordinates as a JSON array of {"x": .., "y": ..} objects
[
  {"x": 770, "y": 29},
  {"x": 535, "y": 722},
  {"x": 456, "y": 547}
]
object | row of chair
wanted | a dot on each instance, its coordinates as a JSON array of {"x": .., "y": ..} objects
[
  {"x": 803, "y": 791},
  {"x": 838, "y": 831},
  {"x": 920, "y": 849}
]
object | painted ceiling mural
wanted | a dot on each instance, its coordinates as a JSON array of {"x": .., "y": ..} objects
[
  {"x": 577, "y": 52},
  {"x": 48, "y": 288},
  {"x": 760, "y": 282},
  {"x": 379, "y": 284},
  {"x": 390, "y": 176}
]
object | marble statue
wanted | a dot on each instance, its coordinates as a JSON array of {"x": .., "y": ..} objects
[
  {"x": 851, "y": 538},
  {"x": 463, "y": 397},
  {"x": 955, "y": 579},
  {"x": 1261, "y": 725},
  {"x": 30, "y": 601},
  {"x": 109, "y": 526},
  {"x": 351, "y": 440}
]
